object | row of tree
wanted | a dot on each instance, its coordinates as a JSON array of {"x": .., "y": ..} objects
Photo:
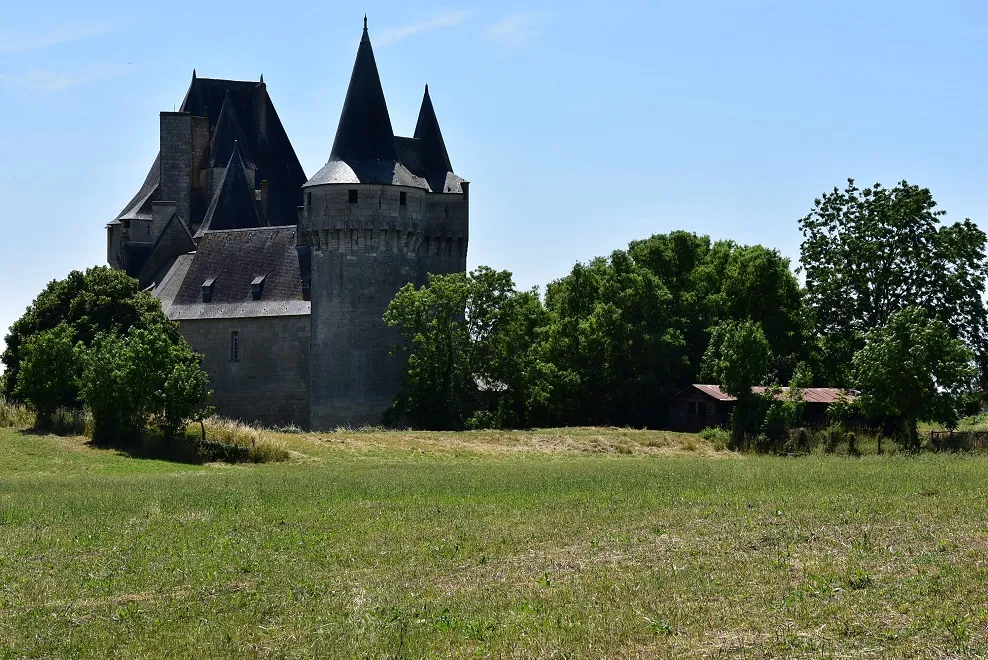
[{"x": 892, "y": 304}]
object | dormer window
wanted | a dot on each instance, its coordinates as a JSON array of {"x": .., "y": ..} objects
[
  {"x": 207, "y": 290},
  {"x": 352, "y": 195},
  {"x": 257, "y": 287}
]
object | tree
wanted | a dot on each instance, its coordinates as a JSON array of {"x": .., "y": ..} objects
[
  {"x": 144, "y": 376},
  {"x": 870, "y": 253},
  {"x": 463, "y": 334},
  {"x": 738, "y": 358},
  {"x": 46, "y": 378},
  {"x": 99, "y": 300},
  {"x": 912, "y": 369}
]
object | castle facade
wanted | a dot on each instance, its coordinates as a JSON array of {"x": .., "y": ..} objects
[{"x": 280, "y": 281}]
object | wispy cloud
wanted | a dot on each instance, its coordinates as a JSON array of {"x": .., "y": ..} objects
[
  {"x": 391, "y": 35},
  {"x": 42, "y": 81},
  {"x": 65, "y": 34},
  {"x": 516, "y": 30}
]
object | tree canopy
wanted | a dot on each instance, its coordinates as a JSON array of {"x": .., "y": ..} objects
[
  {"x": 101, "y": 299},
  {"x": 870, "y": 253}
]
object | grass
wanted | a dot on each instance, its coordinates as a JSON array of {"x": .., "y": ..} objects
[{"x": 579, "y": 542}]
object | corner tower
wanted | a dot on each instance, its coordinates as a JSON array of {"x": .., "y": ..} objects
[{"x": 384, "y": 211}]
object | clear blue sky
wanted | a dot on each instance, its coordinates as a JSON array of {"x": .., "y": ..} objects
[{"x": 581, "y": 125}]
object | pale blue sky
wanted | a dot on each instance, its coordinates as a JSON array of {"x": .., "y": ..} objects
[{"x": 581, "y": 125}]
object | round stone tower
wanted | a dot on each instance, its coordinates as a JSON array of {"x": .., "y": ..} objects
[{"x": 383, "y": 212}]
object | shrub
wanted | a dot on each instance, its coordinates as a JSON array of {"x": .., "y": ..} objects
[
  {"x": 15, "y": 415},
  {"x": 232, "y": 441},
  {"x": 131, "y": 380},
  {"x": 718, "y": 438}
]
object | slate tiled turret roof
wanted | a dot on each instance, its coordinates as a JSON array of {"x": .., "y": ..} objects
[{"x": 366, "y": 149}]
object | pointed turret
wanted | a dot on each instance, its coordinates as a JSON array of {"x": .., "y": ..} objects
[
  {"x": 435, "y": 159},
  {"x": 364, "y": 132},
  {"x": 228, "y": 133},
  {"x": 233, "y": 205}
]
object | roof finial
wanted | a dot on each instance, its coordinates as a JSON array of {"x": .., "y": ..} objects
[
  {"x": 365, "y": 21},
  {"x": 193, "y": 74},
  {"x": 262, "y": 77}
]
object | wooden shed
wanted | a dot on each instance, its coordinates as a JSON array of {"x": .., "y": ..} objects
[{"x": 699, "y": 406}]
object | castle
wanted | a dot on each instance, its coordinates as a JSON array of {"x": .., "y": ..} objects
[{"x": 282, "y": 282}]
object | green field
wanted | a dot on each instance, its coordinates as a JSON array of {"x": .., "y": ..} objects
[{"x": 589, "y": 542}]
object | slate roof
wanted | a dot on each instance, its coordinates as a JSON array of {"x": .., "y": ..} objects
[
  {"x": 435, "y": 159},
  {"x": 265, "y": 146},
  {"x": 825, "y": 395},
  {"x": 366, "y": 150},
  {"x": 228, "y": 133},
  {"x": 139, "y": 208},
  {"x": 233, "y": 259},
  {"x": 233, "y": 206}
]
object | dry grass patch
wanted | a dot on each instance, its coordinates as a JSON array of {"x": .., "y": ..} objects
[{"x": 562, "y": 441}]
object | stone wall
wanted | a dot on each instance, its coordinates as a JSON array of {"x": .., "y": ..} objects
[
  {"x": 362, "y": 254},
  {"x": 269, "y": 384}
]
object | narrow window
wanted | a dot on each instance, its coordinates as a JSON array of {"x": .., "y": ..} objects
[
  {"x": 127, "y": 223},
  {"x": 701, "y": 409},
  {"x": 353, "y": 196},
  {"x": 308, "y": 199},
  {"x": 692, "y": 409},
  {"x": 234, "y": 346},
  {"x": 403, "y": 199}
]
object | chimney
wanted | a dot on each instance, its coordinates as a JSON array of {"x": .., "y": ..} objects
[
  {"x": 264, "y": 201},
  {"x": 176, "y": 162}
]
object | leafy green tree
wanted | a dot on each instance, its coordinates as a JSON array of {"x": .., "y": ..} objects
[
  {"x": 870, "y": 253},
  {"x": 469, "y": 339},
  {"x": 913, "y": 369},
  {"x": 142, "y": 377},
  {"x": 46, "y": 378},
  {"x": 739, "y": 358},
  {"x": 99, "y": 300}
]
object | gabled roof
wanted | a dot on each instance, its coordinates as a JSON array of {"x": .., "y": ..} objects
[
  {"x": 233, "y": 206},
  {"x": 810, "y": 394},
  {"x": 232, "y": 260},
  {"x": 265, "y": 141},
  {"x": 228, "y": 133},
  {"x": 364, "y": 132},
  {"x": 435, "y": 159}
]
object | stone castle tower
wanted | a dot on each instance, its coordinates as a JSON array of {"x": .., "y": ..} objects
[{"x": 384, "y": 211}]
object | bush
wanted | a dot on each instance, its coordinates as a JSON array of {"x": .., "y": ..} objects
[
  {"x": 145, "y": 376},
  {"x": 719, "y": 438},
  {"x": 46, "y": 379},
  {"x": 15, "y": 415}
]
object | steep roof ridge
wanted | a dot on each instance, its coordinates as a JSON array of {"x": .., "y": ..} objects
[
  {"x": 435, "y": 158},
  {"x": 364, "y": 131},
  {"x": 229, "y": 132},
  {"x": 233, "y": 205}
]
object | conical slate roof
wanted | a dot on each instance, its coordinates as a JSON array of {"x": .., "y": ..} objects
[
  {"x": 228, "y": 133},
  {"x": 435, "y": 159},
  {"x": 364, "y": 132},
  {"x": 233, "y": 205}
]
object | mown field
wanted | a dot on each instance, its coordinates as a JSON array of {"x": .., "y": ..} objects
[{"x": 577, "y": 543}]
